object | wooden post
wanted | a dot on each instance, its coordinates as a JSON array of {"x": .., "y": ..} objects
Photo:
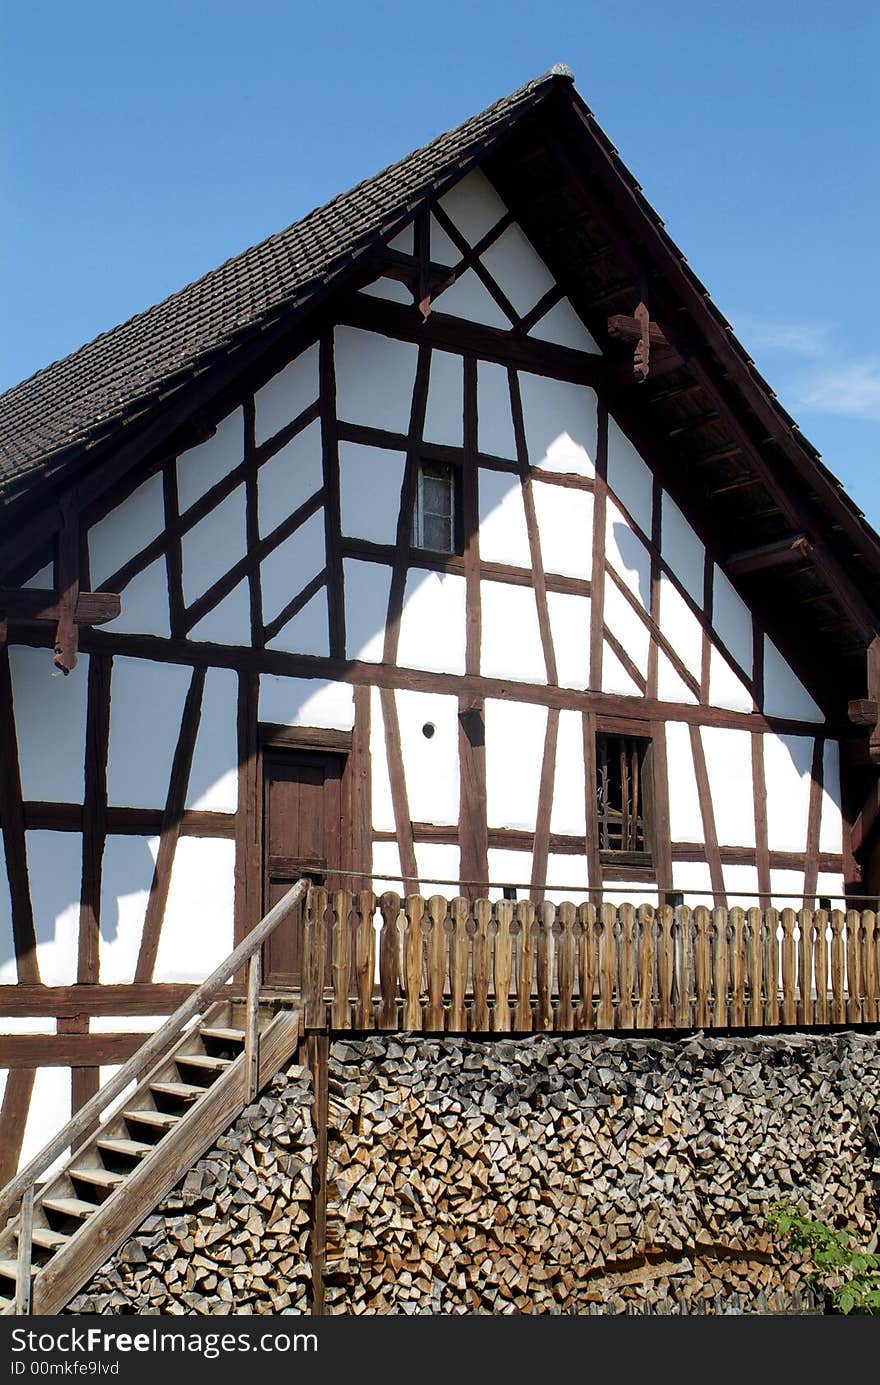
[
  {"x": 318, "y": 1051},
  {"x": 25, "y": 1235},
  {"x": 252, "y": 1029}
]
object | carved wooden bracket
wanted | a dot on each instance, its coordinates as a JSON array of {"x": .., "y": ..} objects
[
  {"x": 652, "y": 350},
  {"x": 865, "y": 711}
]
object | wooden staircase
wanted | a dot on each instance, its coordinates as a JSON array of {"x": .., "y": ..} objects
[
  {"x": 191, "y": 1078},
  {"x": 116, "y": 1178}
]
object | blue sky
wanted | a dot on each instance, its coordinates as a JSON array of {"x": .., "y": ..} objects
[{"x": 144, "y": 144}]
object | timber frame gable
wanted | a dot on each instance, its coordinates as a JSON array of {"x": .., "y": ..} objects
[{"x": 245, "y": 488}]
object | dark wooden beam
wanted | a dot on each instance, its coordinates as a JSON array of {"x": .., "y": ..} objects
[
  {"x": 67, "y": 568},
  {"x": 28, "y": 605},
  {"x": 792, "y": 550},
  {"x": 124, "y": 1000}
]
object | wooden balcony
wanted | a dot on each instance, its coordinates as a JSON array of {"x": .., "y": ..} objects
[{"x": 455, "y": 966}]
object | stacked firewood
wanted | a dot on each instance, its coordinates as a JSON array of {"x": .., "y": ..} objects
[
  {"x": 233, "y": 1236},
  {"x": 559, "y": 1175}
]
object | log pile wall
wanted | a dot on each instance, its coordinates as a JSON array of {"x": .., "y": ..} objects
[{"x": 541, "y": 1174}]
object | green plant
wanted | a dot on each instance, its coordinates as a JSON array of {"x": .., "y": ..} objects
[{"x": 849, "y": 1277}]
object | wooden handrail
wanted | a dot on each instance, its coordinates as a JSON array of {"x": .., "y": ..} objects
[{"x": 152, "y": 1049}]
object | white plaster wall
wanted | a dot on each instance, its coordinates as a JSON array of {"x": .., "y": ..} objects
[
  {"x": 289, "y": 478},
  {"x": 55, "y": 874},
  {"x": 48, "y": 1112},
  {"x": 50, "y": 723},
  {"x": 374, "y": 379},
  {"x": 126, "y": 1024},
  {"x": 503, "y": 534},
  {"x": 568, "y": 813},
  {"x": 197, "y": 931},
  {"x": 386, "y": 858},
  {"x": 570, "y": 633},
  {"x": 831, "y": 821},
  {"x": 681, "y": 549},
  {"x": 670, "y": 687},
  {"x": 306, "y": 702},
  {"x": 495, "y": 435},
  {"x": 308, "y": 632},
  {"x": 560, "y": 423},
  {"x": 692, "y": 878},
  {"x": 567, "y": 879},
  {"x": 510, "y": 640},
  {"x": 468, "y": 298},
  {"x": 443, "y": 250},
  {"x": 627, "y": 554},
  {"x": 473, "y": 206},
  {"x": 784, "y": 693},
  {"x": 741, "y": 882},
  {"x": 514, "y": 756},
  {"x": 229, "y": 622},
  {"x": 404, "y": 241},
  {"x": 725, "y": 688},
  {"x": 615, "y": 678},
  {"x": 44, "y": 580},
  {"x": 435, "y": 863},
  {"x": 370, "y": 483},
  {"x": 392, "y": 289},
  {"x": 788, "y": 889},
  {"x": 517, "y": 269},
  {"x": 732, "y": 619},
  {"x": 831, "y": 884},
  {"x": 214, "y": 545},
  {"x": 126, "y": 877},
  {"x": 432, "y": 626},
  {"x": 285, "y": 396},
  {"x": 443, "y": 416},
  {"x": 626, "y": 625},
  {"x": 382, "y": 804},
  {"x": 685, "y": 820},
  {"x": 565, "y": 525},
  {"x": 146, "y": 709},
  {"x": 213, "y": 780},
  {"x": 144, "y": 603},
  {"x": 202, "y": 467},
  {"x": 563, "y": 326},
  {"x": 509, "y": 868},
  {"x": 430, "y": 764},
  {"x": 294, "y": 563},
  {"x": 629, "y": 477},
  {"x": 728, "y": 755},
  {"x": 787, "y": 762},
  {"x": 680, "y": 626},
  {"x": 367, "y": 588},
  {"x": 126, "y": 530}
]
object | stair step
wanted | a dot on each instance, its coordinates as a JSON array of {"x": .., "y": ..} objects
[
  {"x": 9, "y": 1269},
  {"x": 184, "y": 1091},
  {"x": 203, "y": 1061},
  {"x": 224, "y": 1036},
  {"x": 102, "y": 1178},
  {"x": 161, "y": 1120},
  {"x": 131, "y": 1149},
  {"x": 46, "y": 1238},
  {"x": 69, "y": 1206}
]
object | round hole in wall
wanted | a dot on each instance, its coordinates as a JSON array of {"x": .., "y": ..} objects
[{"x": 428, "y": 729}]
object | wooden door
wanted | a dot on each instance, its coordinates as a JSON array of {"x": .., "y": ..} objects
[{"x": 302, "y": 806}]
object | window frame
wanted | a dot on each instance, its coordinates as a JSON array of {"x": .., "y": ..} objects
[
  {"x": 454, "y": 473},
  {"x": 640, "y": 865}
]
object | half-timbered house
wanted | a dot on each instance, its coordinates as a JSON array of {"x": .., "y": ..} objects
[{"x": 447, "y": 540}]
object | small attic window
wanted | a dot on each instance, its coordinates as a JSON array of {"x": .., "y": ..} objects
[
  {"x": 623, "y": 797},
  {"x": 437, "y": 508}
]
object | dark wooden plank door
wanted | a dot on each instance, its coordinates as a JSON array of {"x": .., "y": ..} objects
[{"x": 302, "y": 811}]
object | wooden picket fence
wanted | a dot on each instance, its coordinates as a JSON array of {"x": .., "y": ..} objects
[{"x": 496, "y": 967}]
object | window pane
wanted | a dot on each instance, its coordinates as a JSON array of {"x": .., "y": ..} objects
[
  {"x": 437, "y": 495},
  {"x": 437, "y": 533}
]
